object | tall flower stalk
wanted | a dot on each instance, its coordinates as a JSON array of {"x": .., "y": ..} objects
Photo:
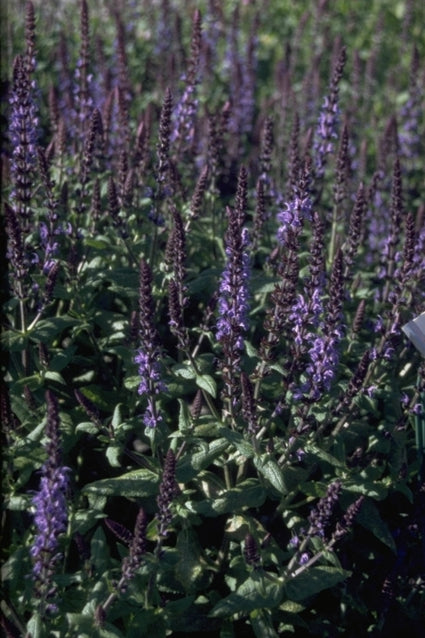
[
  {"x": 324, "y": 350},
  {"x": 232, "y": 320},
  {"x": 148, "y": 353},
  {"x": 326, "y": 130},
  {"x": 51, "y": 515}
]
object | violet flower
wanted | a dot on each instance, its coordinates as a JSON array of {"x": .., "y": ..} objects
[
  {"x": 320, "y": 517},
  {"x": 297, "y": 208},
  {"x": 147, "y": 356},
  {"x": 186, "y": 108},
  {"x": 307, "y": 310},
  {"x": 23, "y": 137},
  {"x": 233, "y": 292},
  {"x": 251, "y": 553},
  {"x": 168, "y": 490},
  {"x": 411, "y": 115},
  {"x": 233, "y": 299},
  {"x": 133, "y": 561},
  {"x": 83, "y": 102},
  {"x": 163, "y": 149},
  {"x": 324, "y": 352},
  {"x": 326, "y": 131},
  {"x": 51, "y": 517},
  {"x": 16, "y": 253}
]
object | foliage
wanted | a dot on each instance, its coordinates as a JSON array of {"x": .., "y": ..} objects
[{"x": 215, "y": 233}]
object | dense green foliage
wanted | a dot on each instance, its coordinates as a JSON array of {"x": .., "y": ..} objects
[{"x": 216, "y": 231}]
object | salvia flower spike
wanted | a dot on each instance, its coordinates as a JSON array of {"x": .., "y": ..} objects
[{"x": 51, "y": 516}]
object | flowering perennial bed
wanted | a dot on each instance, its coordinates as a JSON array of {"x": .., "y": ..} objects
[{"x": 213, "y": 423}]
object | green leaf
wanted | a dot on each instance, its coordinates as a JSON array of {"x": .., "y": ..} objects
[
  {"x": 192, "y": 464},
  {"x": 207, "y": 383},
  {"x": 60, "y": 360},
  {"x": 87, "y": 426},
  {"x": 100, "y": 243},
  {"x": 138, "y": 483},
  {"x": 35, "y": 626},
  {"x": 190, "y": 567},
  {"x": 291, "y": 607},
  {"x": 262, "y": 624},
  {"x": 117, "y": 416},
  {"x": 184, "y": 370},
  {"x": 47, "y": 329},
  {"x": 246, "y": 495},
  {"x": 184, "y": 415},
  {"x": 99, "y": 553},
  {"x": 226, "y": 630},
  {"x": 375, "y": 490},
  {"x": 113, "y": 453},
  {"x": 85, "y": 626},
  {"x": 20, "y": 503},
  {"x": 243, "y": 446},
  {"x": 369, "y": 517},
  {"x": 14, "y": 341},
  {"x": 131, "y": 383},
  {"x": 293, "y": 477},
  {"x": 34, "y": 382},
  {"x": 261, "y": 590},
  {"x": 323, "y": 455},
  {"x": 176, "y": 610},
  {"x": 314, "y": 580},
  {"x": 54, "y": 376},
  {"x": 269, "y": 468}
]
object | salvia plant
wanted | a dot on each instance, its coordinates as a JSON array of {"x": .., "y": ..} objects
[{"x": 214, "y": 221}]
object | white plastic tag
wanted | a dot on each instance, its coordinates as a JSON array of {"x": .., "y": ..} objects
[{"x": 415, "y": 331}]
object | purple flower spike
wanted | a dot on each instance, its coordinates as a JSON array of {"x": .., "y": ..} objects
[
  {"x": 233, "y": 293},
  {"x": 326, "y": 131},
  {"x": 51, "y": 517},
  {"x": 147, "y": 356},
  {"x": 23, "y": 138},
  {"x": 298, "y": 207}
]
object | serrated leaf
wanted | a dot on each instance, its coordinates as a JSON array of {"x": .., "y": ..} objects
[
  {"x": 138, "y": 483},
  {"x": 314, "y": 580},
  {"x": 207, "y": 383},
  {"x": 269, "y": 468}
]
